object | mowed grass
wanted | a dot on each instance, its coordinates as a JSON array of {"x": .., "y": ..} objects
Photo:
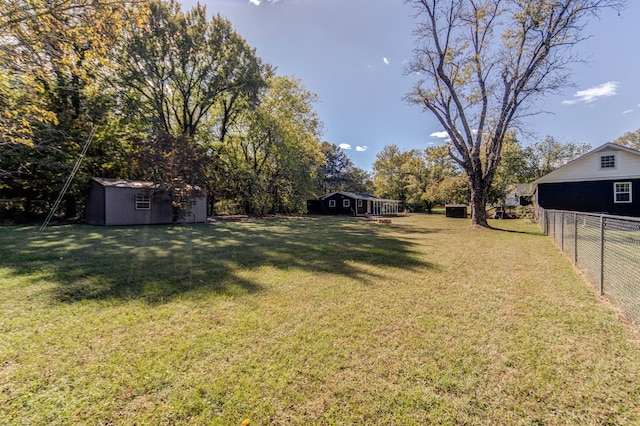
[{"x": 307, "y": 321}]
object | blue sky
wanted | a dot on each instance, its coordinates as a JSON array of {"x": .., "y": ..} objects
[{"x": 352, "y": 54}]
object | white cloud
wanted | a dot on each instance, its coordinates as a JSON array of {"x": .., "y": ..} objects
[
  {"x": 362, "y": 148},
  {"x": 344, "y": 146},
  {"x": 592, "y": 94},
  {"x": 441, "y": 135},
  {"x": 258, "y": 2},
  {"x": 385, "y": 60},
  {"x": 627, "y": 111}
]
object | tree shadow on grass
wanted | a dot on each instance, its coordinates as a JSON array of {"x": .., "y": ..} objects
[
  {"x": 538, "y": 232},
  {"x": 159, "y": 263}
]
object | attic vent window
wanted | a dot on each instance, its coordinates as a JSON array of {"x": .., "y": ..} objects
[
  {"x": 622, "y": 192},
  {"x": 143, "y": 202},
  {"x": 608, "y": 162}
]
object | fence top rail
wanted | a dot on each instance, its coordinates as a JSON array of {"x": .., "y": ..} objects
[{"x": 607, "y": 216}]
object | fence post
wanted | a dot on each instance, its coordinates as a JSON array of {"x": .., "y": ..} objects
[
  {"x": 575, "y": 238},
  {"x": 602, "y": 255},
  {"x": 562, "y": 232}
]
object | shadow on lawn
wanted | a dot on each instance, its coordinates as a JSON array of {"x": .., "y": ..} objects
[
  {"x": 158, "y": 263},
  {"x": 537, "y": 233}
]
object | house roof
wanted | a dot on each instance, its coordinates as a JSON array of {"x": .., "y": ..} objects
[
  {"x": 123, "y": 183},
  {"x": 358, "y": 196},
  {"x": 579, "y": 169}
]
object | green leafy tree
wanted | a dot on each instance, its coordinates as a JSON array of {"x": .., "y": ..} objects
[
  {"x": 483, "y": 63},
  {"x": 518, "y": 165},
  {"x": 48, "y": 57},
  {"x": 443, "y": 175},
  {"x": 338, "y": 173},
  {"x": 391, "y": 172},
  {"x": 271, "y": 162},
  {"x": 176, "y": 68},
  {"x": 415, "y": 177}
]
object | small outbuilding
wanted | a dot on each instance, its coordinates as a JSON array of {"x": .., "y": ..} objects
[
  {"x": 352, "y": 204},
  {"x": 455, "y": 210},
  {"x": 605, "y": 180},
  {"x": 129, "y": 202}
]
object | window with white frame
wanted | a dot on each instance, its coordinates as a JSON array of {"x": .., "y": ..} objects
[
  {"x": 608, "y": 162},
  {"x": 622, "y": 192},
  {"x": 346, "y": 202},
  {"x": 359, "y": 203},
  {"x": 332, "y": 203},
  {"x": 143, "y": 202}
]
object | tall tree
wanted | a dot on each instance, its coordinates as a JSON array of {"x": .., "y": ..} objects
[
  {"x": 443, "y": 175},
  {"x": 48, "y": 56},
  {"x": 338, "y": 173},
  {"x": 391, "y": 171},
  {"x": 482, "y": 64},
  {"x": 270, "y": 161},
  {"x": 176, "y": 67}
]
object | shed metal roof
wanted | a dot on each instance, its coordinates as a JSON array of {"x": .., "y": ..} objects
[{"x": 123, "y": 183}]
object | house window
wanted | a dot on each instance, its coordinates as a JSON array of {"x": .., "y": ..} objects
[
  {"x": 622, "y": 192},
  {"x": 608, "y": 162},
  {"x": 359, "y": 203},
  {"x": 143, "y": 202},
  {"x": 332, "y": 203},
  {"x": 346, "y": 202}
]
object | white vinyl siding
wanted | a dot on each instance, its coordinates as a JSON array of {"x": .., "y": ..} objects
[{"x": 589, "y": 168}]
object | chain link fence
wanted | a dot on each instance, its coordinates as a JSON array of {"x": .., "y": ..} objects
[{"x": 605, "y": 248}]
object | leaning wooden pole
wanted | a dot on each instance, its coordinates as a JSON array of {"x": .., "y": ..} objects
[{"x": 67, "y": 184}]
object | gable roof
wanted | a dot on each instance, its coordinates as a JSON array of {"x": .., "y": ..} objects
[
  {"x": 584, "y": 167},
  {"x": 357, "y": 196}
]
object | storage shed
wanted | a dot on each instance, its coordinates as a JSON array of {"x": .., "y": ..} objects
[
  {"x": 128, "y": 202},
  {"x": 456, "y": 210}
]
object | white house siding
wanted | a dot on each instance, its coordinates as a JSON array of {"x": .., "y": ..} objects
[{"x": 587, "y": 167}]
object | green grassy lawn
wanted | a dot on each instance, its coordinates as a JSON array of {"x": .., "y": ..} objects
[{"x": 307, "y": 321}]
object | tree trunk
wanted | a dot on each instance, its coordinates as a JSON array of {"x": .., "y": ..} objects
[{"x": 479, "y": 198}]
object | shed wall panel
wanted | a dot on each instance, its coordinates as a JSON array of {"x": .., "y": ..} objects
[{"x": 94, "y": 210}]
